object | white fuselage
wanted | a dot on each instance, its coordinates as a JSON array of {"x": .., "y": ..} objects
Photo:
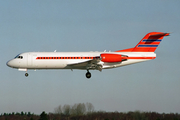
[{"x": 73, "y": 60}]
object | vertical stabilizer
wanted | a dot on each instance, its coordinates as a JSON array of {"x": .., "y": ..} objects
[{"x": 148, "y": 44}]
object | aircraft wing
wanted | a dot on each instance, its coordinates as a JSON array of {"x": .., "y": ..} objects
[{"x": 88, "y": 64}]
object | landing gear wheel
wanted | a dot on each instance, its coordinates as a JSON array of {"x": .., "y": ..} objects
[
  {"x": 88, "y": 75},
  {"x": 26, "y": 74}
]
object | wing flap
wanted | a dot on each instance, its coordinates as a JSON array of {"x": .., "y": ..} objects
[
  {"x": 87, "y": 64},
  {"x": 78, "y": 62}
]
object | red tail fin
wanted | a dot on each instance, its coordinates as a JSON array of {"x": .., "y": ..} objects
[{"x": 148, "y": 44}]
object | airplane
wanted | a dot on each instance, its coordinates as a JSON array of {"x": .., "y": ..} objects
[{"x": 143, "y": 51}]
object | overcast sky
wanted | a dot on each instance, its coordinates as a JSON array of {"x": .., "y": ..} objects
[{"x": 95, "y": 25}]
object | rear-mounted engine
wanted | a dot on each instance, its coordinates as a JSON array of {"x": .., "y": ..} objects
[{"x": 106, "y": 57}]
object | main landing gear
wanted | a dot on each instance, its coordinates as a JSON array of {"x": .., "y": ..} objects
[
  {"x": 88, "y": 74},
  {"x": 26, "y": 74}
]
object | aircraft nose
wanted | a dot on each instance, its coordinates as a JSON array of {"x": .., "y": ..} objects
[{"x": 10, "y": 63}]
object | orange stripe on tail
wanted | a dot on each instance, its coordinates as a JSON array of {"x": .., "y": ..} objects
[{"x": 148, "y": 44}]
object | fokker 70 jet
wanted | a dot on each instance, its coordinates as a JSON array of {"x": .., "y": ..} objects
[{"x": 143, "y": 51}]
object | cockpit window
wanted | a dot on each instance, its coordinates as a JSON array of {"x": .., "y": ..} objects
[
  {"x": 16, "y": 56},
  {"x": 19, "y": 57}
]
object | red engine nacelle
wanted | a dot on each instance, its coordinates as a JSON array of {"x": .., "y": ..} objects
[{"x": 106, "y": 57}]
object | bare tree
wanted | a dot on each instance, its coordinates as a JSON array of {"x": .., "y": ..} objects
[
  {"x": 78, "y": 109},
  {"x": 73, "y": 109},
  {"x": 89, "y": 108},
  {"x": 81, "y": 109},
  {"x": 66, "y": 109},
  {"x": 58, "y": 110}
]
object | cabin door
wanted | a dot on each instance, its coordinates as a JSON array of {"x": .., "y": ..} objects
[{"x": 29, "y": 59}]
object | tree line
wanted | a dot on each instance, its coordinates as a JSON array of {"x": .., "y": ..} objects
[
  {"x": 74, "y": 110},
  {"x": 86, "y": 111}
]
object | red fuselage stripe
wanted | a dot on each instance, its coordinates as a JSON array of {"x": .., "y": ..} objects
[
  {"x": 46, "y": 58},
  {"x": 39, "y": 58},
  {"x": 141, "y": 57}
]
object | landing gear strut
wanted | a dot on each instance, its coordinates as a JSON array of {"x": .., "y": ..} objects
[
  {"x": 26, "y": 74},
  {"x": 88, "y": 74}
]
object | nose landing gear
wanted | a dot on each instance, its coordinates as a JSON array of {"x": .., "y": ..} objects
[
  {"x": 88, "y": 74},
  {"x": 26, "y": 74}
]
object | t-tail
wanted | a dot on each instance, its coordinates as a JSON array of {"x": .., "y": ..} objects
[{"x": 148, "y": 44}]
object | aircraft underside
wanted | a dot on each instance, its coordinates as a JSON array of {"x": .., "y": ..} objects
[{"x": 84, "y": 66}]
